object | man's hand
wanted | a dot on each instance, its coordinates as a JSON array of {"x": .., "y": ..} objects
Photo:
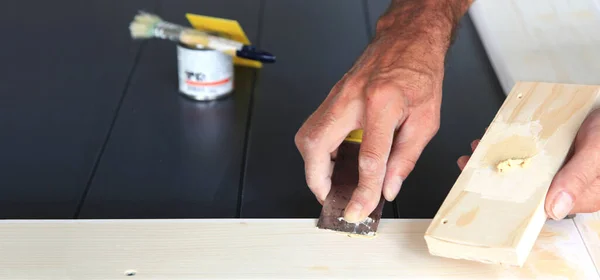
[
  {"x": 576, "y": 187},
  {"x": 392, "y": 92}
]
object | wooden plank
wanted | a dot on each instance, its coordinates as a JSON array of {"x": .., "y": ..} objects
[
  {"x": 541, "y": 40},
  {"x": 260, "y": 249},
  {"x": 495, "y": 216},
  {"x": 589, "y": 228},
  {"x": 169, "y": 156},
  {"x": 64, "y": 68}
]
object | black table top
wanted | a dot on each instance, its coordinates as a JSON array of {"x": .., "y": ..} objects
[{"x": 94, "y": 127}]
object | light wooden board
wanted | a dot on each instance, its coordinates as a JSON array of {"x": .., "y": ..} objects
[
  {"x": 589, "y": 228},
  {"x": 540, "y": 40},
  {"x": 260, "y": 249},
  {"x": 493, "y": 216}
]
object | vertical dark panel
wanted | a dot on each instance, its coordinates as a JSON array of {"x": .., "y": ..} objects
[
  {"x": 168, "y": 156},
  {"x": 316, "y": 42},
  {"x": 471, "y": 98},
  {"x": 64, "y": 66}
]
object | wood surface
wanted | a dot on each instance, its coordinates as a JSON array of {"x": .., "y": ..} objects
[
  {"x": 540, "y": 40},
  {"x": 493, "y": 216},
  {"x": 589, "y": 228},
  {"x": 260, "y": 249}
]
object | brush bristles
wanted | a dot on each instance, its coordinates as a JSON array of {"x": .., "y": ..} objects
[{"x": 143, "y": 25}]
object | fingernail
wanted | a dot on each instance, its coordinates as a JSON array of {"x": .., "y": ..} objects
[
  {"x": 392, "y": 188},
  {"x": 352, "y": 213},
  {"x": 563, "y": 203}
]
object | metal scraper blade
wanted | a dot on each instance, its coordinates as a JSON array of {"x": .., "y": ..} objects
[{"x": 344, "y": 180}]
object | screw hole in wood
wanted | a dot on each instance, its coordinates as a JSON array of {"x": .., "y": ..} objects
[{"x": 444, "y": 221}]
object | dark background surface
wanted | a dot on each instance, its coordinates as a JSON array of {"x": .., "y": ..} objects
[{"x": 93, "y": 126}]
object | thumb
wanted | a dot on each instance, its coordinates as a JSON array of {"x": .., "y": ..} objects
[{"x": 568, "y": 184}]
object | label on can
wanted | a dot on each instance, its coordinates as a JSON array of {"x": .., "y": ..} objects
[{"x": 204, "y": 74}]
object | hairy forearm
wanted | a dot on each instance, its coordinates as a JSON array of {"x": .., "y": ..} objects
[{"x": 413, "y": 19}]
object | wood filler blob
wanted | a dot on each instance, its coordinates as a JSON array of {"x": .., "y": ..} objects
[
  {"x": 366, "y": 222},
  {"x": 509, "y": 164}
]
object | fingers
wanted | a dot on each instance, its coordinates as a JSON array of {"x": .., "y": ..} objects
[
  {"x": 412, "y": 138},
  {"x": 577, "y": 176},
  {"x": 378, "y": 134},
  {"x": 568, "y": 184},
  {"x": 318, "y": 139},
  {"x": 474, "y": 145},
  {"x": 462, "y": 162},
  {"x": 319, "y": 197}
]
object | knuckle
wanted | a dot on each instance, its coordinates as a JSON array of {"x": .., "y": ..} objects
[
  {"x": 381, "y": 88},
  {"x": 383, "y": 97},
  {"x": 302, "y": 141},
  {"x": 352, "y": 82},
  {"x": 338, "y": 85},
  {"x": 383, "y": 23},
  {"x": 298, "y": 139},
  {"x": 433, "y": 127},
  {"x": 431, "y": 120},
  {"x": 369, "y": 161},
  {"x": 410, "y": 89},
  {"x": 307, "y": 138}
]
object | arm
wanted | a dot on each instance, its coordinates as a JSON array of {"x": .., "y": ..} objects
[
  {"x": 438, "y": 18},
  {"x": 393, "y": 92}
]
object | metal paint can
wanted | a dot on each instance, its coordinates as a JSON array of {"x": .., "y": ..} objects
[{"x": 204, "y": 74}]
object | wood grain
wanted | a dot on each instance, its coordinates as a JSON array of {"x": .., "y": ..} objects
[
  {"x": 259, "y": 249},
  {"x": 540, "y": 40},
  {"x": 495, "y": 217}
]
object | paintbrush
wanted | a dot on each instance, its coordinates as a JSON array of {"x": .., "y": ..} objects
[
  {"x": 146, "y": 25},
  {"x": 344, "y": 181}
]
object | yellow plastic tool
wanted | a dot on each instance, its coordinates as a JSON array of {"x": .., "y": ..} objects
[
  {"x": 355, "y": 136},
  {"x": 227, "y": 28}
]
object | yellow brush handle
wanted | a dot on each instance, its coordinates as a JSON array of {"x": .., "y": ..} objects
[{"x": 355, "y": 136}]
